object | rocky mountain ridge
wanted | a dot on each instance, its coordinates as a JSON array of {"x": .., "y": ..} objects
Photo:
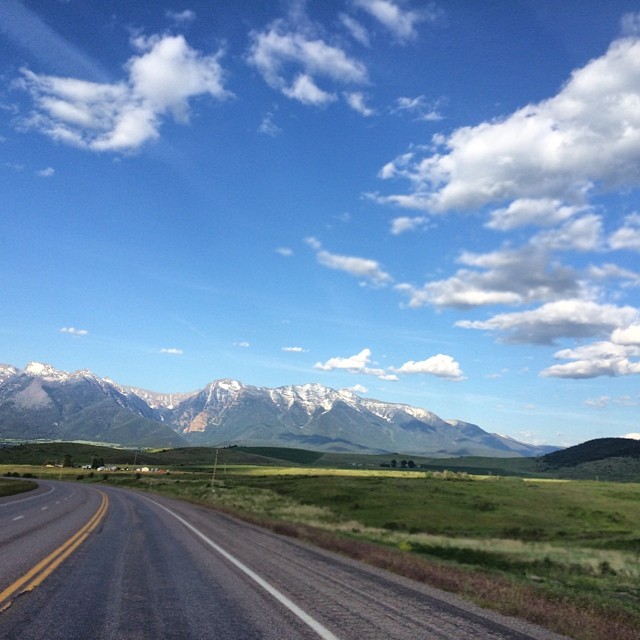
[{"x": 41, "y": 402}]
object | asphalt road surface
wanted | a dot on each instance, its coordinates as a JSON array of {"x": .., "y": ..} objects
[{"x": 81, "y": 562}]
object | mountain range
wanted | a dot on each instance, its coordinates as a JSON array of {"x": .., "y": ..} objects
[{"x": 44, "y": 403}]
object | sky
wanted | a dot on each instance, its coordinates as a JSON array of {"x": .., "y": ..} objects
[{"x": 431, "y": 203}]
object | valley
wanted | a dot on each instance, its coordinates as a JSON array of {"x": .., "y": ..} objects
[{"x": 517, "y": 537}]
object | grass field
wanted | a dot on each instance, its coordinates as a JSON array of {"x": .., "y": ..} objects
[
  {"x": 10, "y": 487},
  {"x": 564, "y": 554}
]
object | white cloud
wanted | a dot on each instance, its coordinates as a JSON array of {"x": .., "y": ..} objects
[
  {"x": 294, "y": 349},
  {"x": 628, "y": 336},
  {"x": 598, "y": 403},
  {"x": 358, "y": 388},
  {"x": 401, "y": 23},
  {"x": 629, "y": 278},
  {"x": 181, "y": 17},
  {"x": 358, "y": 363},
  {"x": 74, "y": 331},
  {"x": 506, "y": 276},
  {"x": 172, "y": 351},
  {"x": 579, "y": 234},
  {"x": 561, "y": 319},
  {"x": 595, "y": 360},
  {"x": 268, "y": 126},
  {"x": 585, "y": 137},
  {"x": 627, "y": 236},
  {"x": 420, "y": 108},
  {"x": 122, "y": 116},
  {"x": 356, "y": 29},
  {"x": 290, "y": 58},
  {"x": 46, "y": 173},
  {"x": 285, "y": 252},
  {"x": 356, "y": 100},
  {"x": 244, "y": 344},
  {"x": 440, "y": 365},
  {"x": 307, "y": 91},
  {"x": 402, "y": 224},
  {"x": 543, "y": 212},
  {"x": 365, "y": 268}
]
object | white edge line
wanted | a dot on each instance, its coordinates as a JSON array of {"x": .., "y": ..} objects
[{"x": 322, "y": 631}]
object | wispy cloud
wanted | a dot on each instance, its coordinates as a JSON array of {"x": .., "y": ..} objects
[
  {"x": 268, "y": 126},
  {"x": 172, "y": 351},
  {"x": 181, "y": 17},
  {"x": 293, "y": 58},
  {"x": 73, "y": 331},
  {"x": 368, "y": 270},
  {"x": 401, "y": 22}
]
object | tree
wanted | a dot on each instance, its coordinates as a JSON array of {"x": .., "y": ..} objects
[{"x": 67, "y": 461}]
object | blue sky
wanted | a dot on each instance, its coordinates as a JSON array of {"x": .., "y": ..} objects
[{"x": 433, "y": 203}]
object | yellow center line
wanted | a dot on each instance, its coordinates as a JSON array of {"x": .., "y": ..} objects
[{"x": 37, "y": 574}]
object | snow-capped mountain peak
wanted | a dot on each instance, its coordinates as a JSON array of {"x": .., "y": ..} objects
[
  {"x": 7, "y": 371},
  {"x": 46, "y": 371}
]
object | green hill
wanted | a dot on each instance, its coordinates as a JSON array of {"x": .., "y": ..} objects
[{"x": 592, "y": 451}]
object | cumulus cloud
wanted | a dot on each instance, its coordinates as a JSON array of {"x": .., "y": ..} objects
[
  {"x": 594, "y": 360},
  {"x": 172, "y": 351},
  {"x": 285, "y": 252},
  {"x": 441, "y": 366},
  {"x": 73, "y": 331},
  {"x": 162, "y": 78},
  {"x": 294, "y": 349},
  {"x": 293, "y": 59},
  {"x": 572, "y": 318},
  {"x": 402, "y": 224},
  {"x": 46, "y": 173},
  {"x": 629, "y": 336},
  {"x": 400, "y": 22},
  {"x": 358, "y": 363},
  {"x": 627, "y": 236},
  {"x": 542, "y": 212},
  {"x": 369, "y": 270},
  {"x": 506, "y": 276},
  {"x": 580, "y": 234},
  {"x": 585, "y": 138}
]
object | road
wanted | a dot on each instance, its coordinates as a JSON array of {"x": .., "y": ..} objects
[{"x": 106, "y": 563}]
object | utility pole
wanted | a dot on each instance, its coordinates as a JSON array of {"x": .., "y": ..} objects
[{"x": 213, "y": 475}]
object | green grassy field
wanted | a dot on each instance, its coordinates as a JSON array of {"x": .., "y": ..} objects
[
  {"x": 561, "y": 553},
  {"x": 573, "y": 546},
  {"x": 11, "y": 487}
]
